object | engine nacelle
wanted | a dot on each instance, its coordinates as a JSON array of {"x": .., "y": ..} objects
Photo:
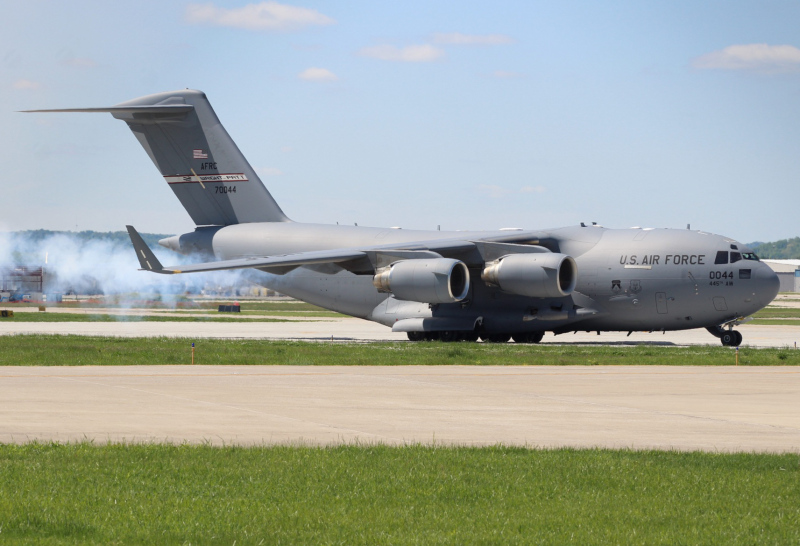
[
  {"x": 540, "y": 275},
  {"x": 439, "y": 280}
]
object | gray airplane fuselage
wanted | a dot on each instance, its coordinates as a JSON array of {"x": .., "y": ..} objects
[{"x": 628, "y": 279}]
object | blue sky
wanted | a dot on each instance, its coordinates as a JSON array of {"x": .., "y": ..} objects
[{"x": 468, "y": 115}]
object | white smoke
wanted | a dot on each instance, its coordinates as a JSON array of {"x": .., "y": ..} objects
[{"x": 110, "y": 267}]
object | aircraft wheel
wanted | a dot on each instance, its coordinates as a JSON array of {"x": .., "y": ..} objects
[
  {"x": 496, "y": 338},
  {"x": 528, "y": 337},
  {"x": 470, "y": 336},
  {"x": 450, "y": 335},
  {"x": 431, "y": 336},
  {"x": 415, "y": 336},
  {"x": 737, "y": 338},
  {"x": 727, "y": 338},
  {"x": 535, "y": 337}
]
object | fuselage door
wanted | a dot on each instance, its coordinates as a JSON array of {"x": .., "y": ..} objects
[{"x": 661, "y": 303}]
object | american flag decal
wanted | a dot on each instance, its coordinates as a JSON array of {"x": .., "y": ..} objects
[{"x": 199, "y": 154}]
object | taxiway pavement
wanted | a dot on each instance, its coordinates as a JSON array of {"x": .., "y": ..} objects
[{"x": 682, "y": 408}]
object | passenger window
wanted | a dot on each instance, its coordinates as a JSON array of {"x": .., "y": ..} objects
[
  {"x": 735, "y": 257},
  {"x": 744, "y": 273},
  {"x": 722, "y": 257}
]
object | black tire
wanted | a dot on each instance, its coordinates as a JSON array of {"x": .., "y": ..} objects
[
  {"x": 470, "y": 336},
  {"x": 432, "y": 336},
  {"x": 415, "y": 336},
  {"x": 737, "y": 338},
  {"x": 496, "y": 338},
  {"x": 727, "y": 338},
  {"x": 528, "y": 337},
  {"x": 449, "y": 336},
  {"x": 535, "y": 337}
]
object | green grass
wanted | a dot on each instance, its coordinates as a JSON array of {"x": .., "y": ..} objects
[
  {"x": 778, "y": 312},
  {"x": 145, "y": 494},
  {"x": 55, "y": 350},
  {"x": 775, "y": 322},
  {"x": 320, "y": 314}
]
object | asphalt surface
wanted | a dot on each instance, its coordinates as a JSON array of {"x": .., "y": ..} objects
[{"x": 682, "y": 408}]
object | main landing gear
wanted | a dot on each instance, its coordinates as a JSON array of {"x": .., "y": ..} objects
[
  {"x": 451, "y": 335},
  {"x": 728, "y": 336}
]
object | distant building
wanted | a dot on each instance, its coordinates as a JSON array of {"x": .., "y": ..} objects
[
  {"x": 21, "y": 283},
  {"x": 788, "y": 272}
]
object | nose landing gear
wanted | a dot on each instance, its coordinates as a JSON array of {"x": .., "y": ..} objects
[{"x": 729, "y": 337}]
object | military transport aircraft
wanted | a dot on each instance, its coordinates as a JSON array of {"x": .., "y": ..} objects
[{"x": 461, "y": 285}]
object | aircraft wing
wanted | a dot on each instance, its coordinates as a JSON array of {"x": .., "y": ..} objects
[
  {"x": 149, "y": 262},
  {"x": 350, "y": 258}
]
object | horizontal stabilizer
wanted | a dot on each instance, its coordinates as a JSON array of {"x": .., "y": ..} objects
[
  {"x": 149, "y": 109},
  {"x": 147, "y": 259}
]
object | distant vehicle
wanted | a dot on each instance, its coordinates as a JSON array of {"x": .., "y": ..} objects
[{"x": 492, "y": 285}]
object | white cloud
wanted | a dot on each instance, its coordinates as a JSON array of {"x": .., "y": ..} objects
[
  {"x": 411, "y": 54},
  {"x": 262, "y": 16},
  {"x": 499, "y": 192},
  {"x": 754, "y": 57},
  {"x": 269, "y": 171},
  {"x": 456, "y": 38},
  {"x": 77, "y": 62},
  {"x": 27, "y": 84},
  {"x": 317, "y": 75}
]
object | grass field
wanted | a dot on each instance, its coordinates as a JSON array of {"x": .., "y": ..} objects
[
  {"x": 53, "y": 350},
  {"x": 775, "y": 322},
  {"x": 778, "y": 312},
  {"x": 144, "y": 494}
]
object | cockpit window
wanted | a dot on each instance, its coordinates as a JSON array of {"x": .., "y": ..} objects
[{"x": 723, "y": 257}]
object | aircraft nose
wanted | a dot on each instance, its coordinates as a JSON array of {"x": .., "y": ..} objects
[{"x": 768, "y": 284}]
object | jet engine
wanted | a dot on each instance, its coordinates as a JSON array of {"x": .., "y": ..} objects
[
  {"x": 545, "y": 275},
  {"x": 438, "y": 280}
]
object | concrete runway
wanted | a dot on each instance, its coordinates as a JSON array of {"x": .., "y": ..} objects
[
  {"x": 353, "y": 329},
  {"x": 682, "y": 408}
]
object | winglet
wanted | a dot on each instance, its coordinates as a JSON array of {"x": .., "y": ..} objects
[{"x": 147, "y": 259}]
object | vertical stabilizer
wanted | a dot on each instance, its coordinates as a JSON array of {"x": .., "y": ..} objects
[{"x": 197, "y": 158}]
